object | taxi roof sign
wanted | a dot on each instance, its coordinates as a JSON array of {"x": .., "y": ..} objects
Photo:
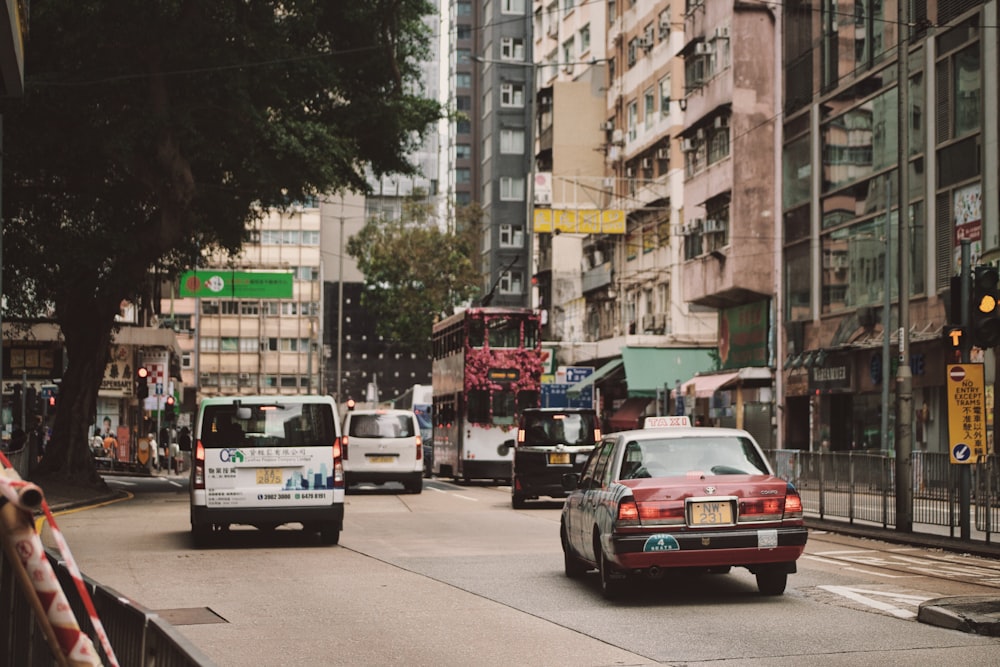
[{"x": 667, "y": 421}]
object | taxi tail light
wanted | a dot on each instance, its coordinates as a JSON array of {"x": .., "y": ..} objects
[
  {"x": 520, "y": 436},
  {"x": 793, "y": 503},
  {"x": 420, "y": 449},
  {"x": 671, "y": 512},
  {"x": 597, "y": 435},
  {"x": 198, "y": 476},
  {"x": 761, "y": 509},
  {"x": 338, "y": 464},
  {"x": 628, "y": 512}
]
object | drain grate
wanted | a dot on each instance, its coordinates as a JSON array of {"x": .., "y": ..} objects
[{"x": 190, "y": 616}]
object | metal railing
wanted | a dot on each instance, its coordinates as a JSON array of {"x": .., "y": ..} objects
[
  {"x": 100, "y": 626},
  {"x": 860, "y": 486}
]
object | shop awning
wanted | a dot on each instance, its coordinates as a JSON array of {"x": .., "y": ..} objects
[
  {"x": 652, "y": 369},
  {"x": 601, "y": 372},
  {"x": 627, "y": 416},
  {"x": 704, "y": 386}
]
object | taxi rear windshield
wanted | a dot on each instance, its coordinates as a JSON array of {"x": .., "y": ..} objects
[
  {"x": 724, "y": 455},
  {"x": 559, "y": 428},
  {"x": 270, "y": 425},
  {"x": 381, "y": 426}
]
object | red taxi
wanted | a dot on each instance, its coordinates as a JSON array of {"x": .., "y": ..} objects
[{"x": 674, "y": 496}]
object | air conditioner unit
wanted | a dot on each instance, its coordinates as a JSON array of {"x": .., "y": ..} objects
[
  {"x": 721, "y": 121},
  {"x": 608, "y": 182},
  {"x": 722, "y": 32},
  {"x": 645, "y": 44},
  {"x": 628, "y": 172},
  {"x": 698, "y": 224},
  {"x": 244, "y": 376},
  {"x": 617, "y": 137},
  {"x": 699, "y": 135},
  {"x": 702, "y": 48},
  {"x": 687, "y": 145},
  {"x": 608, "y": 125},
  {"x": 647, "y": 163},
  {"x": 598, "y": 258},
  {"x": 663, "y": 153}
]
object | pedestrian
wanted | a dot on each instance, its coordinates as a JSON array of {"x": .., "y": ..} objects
[
  {"x": 18, "y": 438},
  {"x": 97, "y": 444}
]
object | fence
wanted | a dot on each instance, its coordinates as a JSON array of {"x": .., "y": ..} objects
[
  {"x": 136, "y": 635},
  {"x": 860, "y": 486}
]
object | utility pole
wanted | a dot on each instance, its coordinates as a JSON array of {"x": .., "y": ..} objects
[{"x": 904, "y": 376}]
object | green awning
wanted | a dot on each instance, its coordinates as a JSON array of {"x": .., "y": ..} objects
[
  {"x": 601, "y": 372},
  {"x": 648, "y": 369}
]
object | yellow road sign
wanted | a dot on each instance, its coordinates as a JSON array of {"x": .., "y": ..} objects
[{"x": 966, "y": 413}]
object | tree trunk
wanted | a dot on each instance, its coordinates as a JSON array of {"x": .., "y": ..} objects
[{"x": 88, "y": 339}]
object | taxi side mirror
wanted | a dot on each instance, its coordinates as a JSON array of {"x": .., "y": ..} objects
[{"x": 570, "y": 481}]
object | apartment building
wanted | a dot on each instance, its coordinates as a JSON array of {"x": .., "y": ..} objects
[{"x": 845, "y": 125}]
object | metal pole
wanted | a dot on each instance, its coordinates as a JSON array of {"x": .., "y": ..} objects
[
  {"x": 887, "y": 316},
  {"x": 340, "y": 302},
  {"x": 964, "y": 473},
  {"x": 904, "y": 376}
]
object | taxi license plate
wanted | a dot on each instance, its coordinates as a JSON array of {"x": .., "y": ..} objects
[
  {"x": 711, "y": 513},
  {"x": 559, "y": 458},
  {"x": 381, "y": 459},
  {"x": 269, "y": 475}
]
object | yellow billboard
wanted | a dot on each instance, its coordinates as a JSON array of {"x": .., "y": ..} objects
[{"x": 579, "y": 221}]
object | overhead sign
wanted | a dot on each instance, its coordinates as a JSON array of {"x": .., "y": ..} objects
[
  {"x": 966, "y": 413},
  {"x": 225, "y": 284},
  {"x": 579, "y": 221}
]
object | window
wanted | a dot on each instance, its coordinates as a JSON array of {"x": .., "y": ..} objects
[
  {"x": 512, "y": 141},
  {"x": 463, "y": 8},
  {"x": 310, "y": 237},
  {"x": 463, "y": 175},
  {"x": 585, "y": 38},
  {"x": 187, "y": 360},
  {"x": 463, "y": 151},
  {"x": 692, "y": 240},
  {"x": 463, "y": 56},
  {"x": 463, "y": 126},
  {"x": 650, "y": 108},
  {"x": 567, "y": 54},
  {"x": 663, "y": 22},
  {"x": 633, "y": 120},
  {"x": 716, "y": 229},
  {"x": 512, "y": 6},
  {"x": 718, "y": 143},
  {"x": 249, "y": 345},
  {"x": 463, "y": 102},
  {"x": 463, "y": 31},
  {"x": 664, "y": 87},
  {"x": 633, "y": 49},
  {"x": 511, "y": 236},
  {"x": 229, "y": 344},
  {"x": 463, "y": 80},
  {"x": 512, "y": 95},
  {"x": 568, "y": 5},
  {"x": 511, "y": 282},
  {"x": 209, "y": 344},
  {"x": 512, "y": 48},
  {"x": 230, "y": 307},
  {"x": 511, "y": 188}
]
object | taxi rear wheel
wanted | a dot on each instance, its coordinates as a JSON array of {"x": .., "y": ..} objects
[{"x": 771, "y": 582}]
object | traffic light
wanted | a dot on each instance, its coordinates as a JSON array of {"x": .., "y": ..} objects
[
  {"x": 169, "y": 410},
  {"x": 985, "y": 307},
  {"x": 141, "y": 382}
]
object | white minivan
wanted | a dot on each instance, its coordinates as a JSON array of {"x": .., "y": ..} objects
[
  {"x": 383, "y": 446},
  {"x": 265, "y": 461}
]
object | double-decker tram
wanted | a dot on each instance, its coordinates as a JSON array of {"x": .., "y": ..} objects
[{"x": 487, "y": 368}]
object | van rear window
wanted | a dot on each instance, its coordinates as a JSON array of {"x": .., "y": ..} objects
[
  {"x": 381, "y": 426},
  {"x": 268, "y": 425}
]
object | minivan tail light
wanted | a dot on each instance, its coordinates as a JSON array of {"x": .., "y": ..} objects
[
  {"x": 420, "y": 449},
  {"x": 198, "y": 471},
  {"x": 343, "y": 446},
  {"x": 520, "y": 436}
]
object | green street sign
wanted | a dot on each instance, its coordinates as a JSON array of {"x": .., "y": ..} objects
[{"x": 225, "y": 284}]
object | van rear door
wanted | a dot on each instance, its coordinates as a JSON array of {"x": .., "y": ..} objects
[{"x": 269, "y": 454}]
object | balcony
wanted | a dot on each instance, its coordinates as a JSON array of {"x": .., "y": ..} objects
[{"x": 597, "y": 277}]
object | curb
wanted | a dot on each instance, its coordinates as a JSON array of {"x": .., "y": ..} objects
[{"x": 974, "y": 614}]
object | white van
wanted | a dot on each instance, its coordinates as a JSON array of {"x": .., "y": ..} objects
[
  {"x": 266, "y": 461},
  {"x": 383, "y": 446}
]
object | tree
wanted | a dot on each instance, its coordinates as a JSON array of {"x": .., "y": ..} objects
[
  {"x": 152, "y": 131},
  {"x": 415, "y": 273}
]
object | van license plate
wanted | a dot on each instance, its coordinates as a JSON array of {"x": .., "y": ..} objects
[
  {"x": 381, "y": 459},
  {"x": 559, "y": 458},
  {"x": 713, "y": 513},
  {"x": 269, "y": 475}
]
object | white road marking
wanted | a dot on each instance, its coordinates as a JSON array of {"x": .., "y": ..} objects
[
  {"x": 859, "y": 595},
  {"x": 452, "y": 493}
]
